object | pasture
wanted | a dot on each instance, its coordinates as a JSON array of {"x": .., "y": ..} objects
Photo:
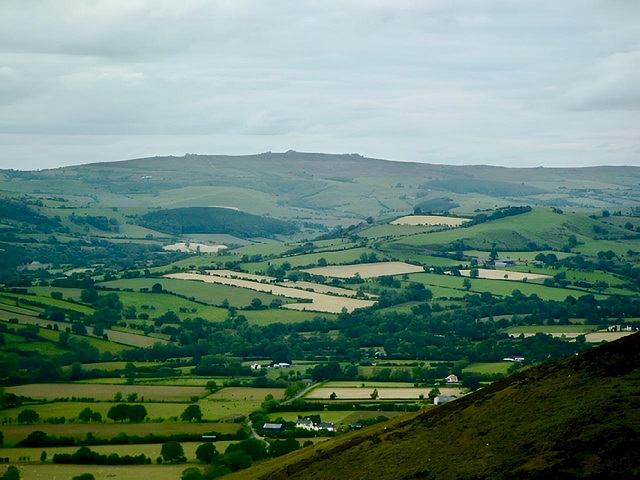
[
  {"x": 246, "y": 393},
  {"x": 505, "y": 274},
  {"x": 193, "y": 247},
  {"x": 366, "y": 270},
  {"x": 384, "y": 393},
  {"x": 14, "y": 433},
  {"x": 488, "y": 368},
  {"x": 430, "y": 220},
  {"x": 319, "y": 302},
  {"x": 50, "y": 471},
  {"x": 107, "y": 392}
]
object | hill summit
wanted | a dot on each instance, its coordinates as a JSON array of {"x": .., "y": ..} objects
[{"x": 575, "y": 418}]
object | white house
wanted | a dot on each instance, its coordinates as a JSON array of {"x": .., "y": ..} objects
[
  {"x": 443, "y": 399},
  {"x": 452, "y": 379}
]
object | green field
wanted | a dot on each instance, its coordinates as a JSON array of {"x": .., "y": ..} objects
[{"x": 488, "y": 368}]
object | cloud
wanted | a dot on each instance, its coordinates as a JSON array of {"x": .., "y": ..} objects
[{"x": 514, "y": 83}]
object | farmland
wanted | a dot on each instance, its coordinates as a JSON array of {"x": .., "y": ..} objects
[
  {"x": 431, "y": 220},
  {"x": 107, "y": 392},
  {"x": 384, "y": 393},
  {"x": 367, "y": 270},
  {"x": 319, "y": 302},
  {"x": 504, "y": 274}
]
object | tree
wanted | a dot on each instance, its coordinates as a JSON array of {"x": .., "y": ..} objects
[
  {"x": 333, "y": 396},
  {"x": 466, "y": 283},
  {"x": 192, "y": 412},
  {"x": 28, "y": 416},
  {"x": 12, "y": 473},
  {"x": 117, "y": 397},
  {"x": 322, "y": 262},
  {"x": 173, "y": 452},
  {"x": 605, "y": 213},
  {"x": 84, "y": 476},
  {"x": 256, "y": 303},
  {"x": 137, "y": 413},
  {"x": 374, "y": 395},
  {"x": 89, "y": 296},
  {"x": 43, "y": 456},
  {"x": 119, "y": 413},
  {"x": 279, "y": 448},
  {"x": 86, "y": 415},
  {"x": 132, "y": 397},
  {"x": 191, "y": 473},
  {"x": 1, "y": 438},
  {"x": 211, "y": 386},
  {"x": 156, "y": 288},
  {"x": 474, "y": 273},
  {"x": 207, "y": 452}
]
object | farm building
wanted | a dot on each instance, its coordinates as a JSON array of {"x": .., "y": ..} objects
[
  {"x": 452, "y": 379},
  {"x": 308, "y": 424},
  {"x": 273, "y": 427}
]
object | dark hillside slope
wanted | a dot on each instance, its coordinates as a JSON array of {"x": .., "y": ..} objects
[{"x": 575, "y": 418}]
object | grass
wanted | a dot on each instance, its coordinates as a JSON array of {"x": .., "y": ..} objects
[
  {"x": 212, "y": 410},
  {"x": 51, "y": 302},
  {"x": 332, "y": 258},
  {"x": 492, "y": 368},
  {"x": 14, "y": 433},
  {"x": 133, "y": 472},
  {"x": 210, "y": 293},
  {"x": 106, "y": 392},
  {"x": 246, "y": 393},
  {"x": 497, "y": 287}
]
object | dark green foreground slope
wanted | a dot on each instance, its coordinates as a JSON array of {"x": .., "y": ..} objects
[{"x": 576, "y": 418}]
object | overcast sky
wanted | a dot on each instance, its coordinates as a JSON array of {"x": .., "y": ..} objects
[{"x": 503, "y": 82}]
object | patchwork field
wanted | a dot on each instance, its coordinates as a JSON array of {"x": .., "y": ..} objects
[
  {"x": 14, "y": 433},
  {"x": 320, "y": 302},
  {"x": 366, "y": 270},
  {"x": 384, "y": 393},
  {"x": 193, "y": 247},
  {"x": 107, "y": 392},
  {"x": 505, "y": 274},
  {"x": 429, "y": 220}
]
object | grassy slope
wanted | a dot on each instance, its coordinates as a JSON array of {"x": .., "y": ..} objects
[
  {"x": 575, "y": 418},
  {"x": 514, "y": 233}
]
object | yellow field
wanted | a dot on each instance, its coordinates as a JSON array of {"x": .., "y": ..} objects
[
  {"x": 320, "y": 302},
  {"x": 364, "y": 393},
  {"x": 247, "y": 393},
  {"x": 504, "y": 274},
  {"x": 107, "y": 392},
  {"x": 14, "y": 433},
  {"x": 134, "y": 472},
  {"x": 429, "y": 220},
  {"x": 366, "y": 270}
]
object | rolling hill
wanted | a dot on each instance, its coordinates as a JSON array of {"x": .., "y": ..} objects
[
  {"x": 575, "y": 418},
  {"x": 326, "y": 189}
]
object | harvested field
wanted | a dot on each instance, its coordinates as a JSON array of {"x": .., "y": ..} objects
[
  {"x": 247, "y": 393},
  {"x": 193, "y": 247},
  {"x": 320, "y": 302},
  {"x": 364, "y": 393},
  {"x": 366, "y": 270},
  {"x": 429, "y": 220},
  {"x": 14, "y": 433},
  {"x": 107, "y": 392},
  {"x": 504, "y": 274},
  {"x": 597, "y": 337},
  {"x": 50, "y": 471},
  {"x": 320, "y": 288},
  {"x": 242, "y": 275}
]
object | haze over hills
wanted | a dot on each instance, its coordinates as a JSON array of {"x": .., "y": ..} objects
[
  {"x": 329, "y": 189},
  {"x": 575, "y": 418}
]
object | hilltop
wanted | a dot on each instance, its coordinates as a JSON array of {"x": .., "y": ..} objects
[
  {"x": 575, "y": 418},
  {"x": 326, "y": 189}
]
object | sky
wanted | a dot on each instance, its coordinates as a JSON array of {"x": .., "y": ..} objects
[{"x": 503, "y": 82}]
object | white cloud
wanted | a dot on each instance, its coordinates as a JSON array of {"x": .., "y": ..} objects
[{"x": 515, "y": 83}]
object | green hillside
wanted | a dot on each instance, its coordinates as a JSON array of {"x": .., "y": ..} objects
[
  {"x": 575, "y": 418},
  {"x": 527, "y": 231}
]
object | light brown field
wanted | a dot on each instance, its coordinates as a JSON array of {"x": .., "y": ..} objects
[
  {"x": 364, "y": 393},
  {"x": 247, "y": 393},
  {"x": 14, "y": 433},
  {"x": 320, "y": 302},
  {"x": 242, "y": 275},
  {"x": 52, "y": 471},
  {"x": 597, "y": 337},
  {"x": 106, "y": 392},
  {"x": 366, "y": 270},
  {"x": 429, "y": 220},
  {"x": 193, "y": 247},
  {"x": 504, "y": 274}
]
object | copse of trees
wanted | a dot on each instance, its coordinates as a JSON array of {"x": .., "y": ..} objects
[{"x": 124, "y": 411}]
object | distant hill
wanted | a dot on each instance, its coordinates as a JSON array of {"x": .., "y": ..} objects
[
  {"x": 329, "y": 189},
  {"x": 575, "y": 418},
  {"x": 188, "y": 220}
]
